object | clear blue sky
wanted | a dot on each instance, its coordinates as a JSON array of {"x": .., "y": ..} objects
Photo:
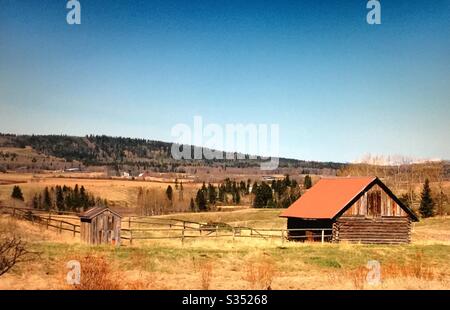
[{"x": 337, "y": 86}]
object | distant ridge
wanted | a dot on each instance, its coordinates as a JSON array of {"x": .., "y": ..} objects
[
  {"x": 94, "y": 150},
  {"x": 393, "y": 160}
]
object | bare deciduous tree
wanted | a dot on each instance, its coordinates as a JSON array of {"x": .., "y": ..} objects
[{"x": 12, "y": 252}]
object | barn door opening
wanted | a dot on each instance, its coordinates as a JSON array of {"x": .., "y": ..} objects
[{"x": 374, "y": 204}]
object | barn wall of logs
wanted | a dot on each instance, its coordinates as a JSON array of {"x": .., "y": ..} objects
[{"x": 382, "y": 230}]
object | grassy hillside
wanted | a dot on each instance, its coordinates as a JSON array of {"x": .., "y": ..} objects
[{"x": 115, "y": 151}]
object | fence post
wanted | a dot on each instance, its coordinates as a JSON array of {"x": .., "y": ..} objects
[
  {"x": 131, "y": 236},
  {"x": 234, "y": 232},
  {"x": 182, "y": 236},
  {"x": 14, "y": 212},
  {"x": 323, "y": 236},
  {"x": 74, "y": 230},
  {"x": 129, "y": 222},
  {"x": 60, "y": 227},
  {"x": 217, "y": 230},
  {"x": 282, "y": 236}
]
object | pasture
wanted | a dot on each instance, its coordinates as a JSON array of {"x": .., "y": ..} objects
[{"x": 224, "y": 263}]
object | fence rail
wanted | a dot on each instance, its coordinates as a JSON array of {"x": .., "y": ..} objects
[
  {"x": 130, "y": 234},
  {"x": 148, "y": 228},
  {"x": 50, "y": 220}
]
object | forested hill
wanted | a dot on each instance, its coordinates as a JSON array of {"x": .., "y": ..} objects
[{"x": 105, "y": 150}]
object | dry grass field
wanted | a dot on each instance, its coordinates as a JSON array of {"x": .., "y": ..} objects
[
  {"x": 214, "y": 263},
  {"x": 226, "y": 264},
  {"x": 121, "y": 193}
]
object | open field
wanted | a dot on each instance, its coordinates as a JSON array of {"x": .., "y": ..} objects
[
  {"x": 241, "y": 264},
  {"x": 121, "y": 193},
  {"x": 217, "y": 263}
]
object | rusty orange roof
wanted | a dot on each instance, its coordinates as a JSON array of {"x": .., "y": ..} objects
[{"x": 328, "y": 197}]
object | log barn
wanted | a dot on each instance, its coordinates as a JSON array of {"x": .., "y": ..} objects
[
  {"x": 352, "y": 209},
  {"x": 100, "y": 225}
]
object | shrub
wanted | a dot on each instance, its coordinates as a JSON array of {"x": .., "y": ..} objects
[
  {"x": 97, "y": 274},
  {"x": 260, "y": 273}
]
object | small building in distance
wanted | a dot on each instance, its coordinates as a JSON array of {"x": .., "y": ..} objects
[
  {"x": 100, "y": 225},
  {"x": 353, "y": 209}
]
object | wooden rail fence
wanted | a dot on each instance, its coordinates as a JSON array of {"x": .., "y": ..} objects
[
  {"x": 46, "y": 219},
  {"x": 149, "y": 228},
  {"x": 146, "y": 228}
]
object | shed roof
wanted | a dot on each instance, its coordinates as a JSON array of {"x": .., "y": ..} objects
[
  {"x": 93, "y": 212},
  {"x": 330, "y": 197}
]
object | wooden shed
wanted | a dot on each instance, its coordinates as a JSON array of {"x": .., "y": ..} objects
[
  {"x": 351, "y": 209},
  {"x": 100, "y": 225}
]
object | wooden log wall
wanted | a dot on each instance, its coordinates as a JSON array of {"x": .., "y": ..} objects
[{"x": 378, "y": 230}]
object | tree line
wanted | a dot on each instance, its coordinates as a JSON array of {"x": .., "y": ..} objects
[
  {"x": 276, "y": 194},
  {"x": 106, "y": 150},
  {"x": 61, "y": 199}
]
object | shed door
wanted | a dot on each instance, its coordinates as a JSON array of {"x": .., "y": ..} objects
[{"x": 374, "y": 204}]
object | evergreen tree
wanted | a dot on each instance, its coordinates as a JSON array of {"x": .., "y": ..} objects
[
  {"x": 263, "y": 196},
  {"x": 76, "y": 198},
  {"x": 47, "y": 199},
  {"x": 212, "y": 194},
  {"x": 307, "y": 183},
  {"x": 201, "y": 200},
  {"x": 36, "y": 202},
  {"x": 84, "y": 199},
  {"x": 242, "y": 187},
  {"x": 228, "y": 185},
  {"x": 221, "y": 197},
  {"x": 60, "y": 205},
  {"x": 169, "y": 192},
  {"x": 204, "y": 189},
  {"x": 237, "y": 198},
  {"x": 40, "y": 201},
  {"x": 426, "y": 208},
  {"x": 17, "y": 193},
  {"x": 254, "y": 187},
  {"x": 69, "y": 201},
  {"x": 287, "y": 181}
]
